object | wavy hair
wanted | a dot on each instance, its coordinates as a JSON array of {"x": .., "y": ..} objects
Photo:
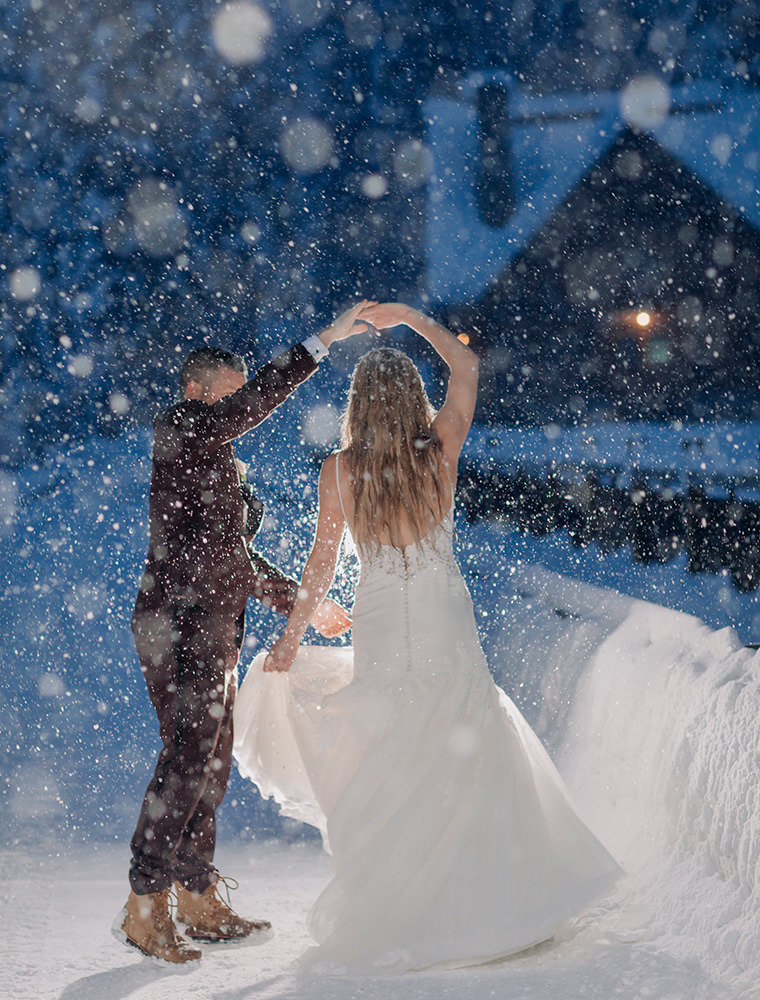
[{"x": 392, "y": 450}]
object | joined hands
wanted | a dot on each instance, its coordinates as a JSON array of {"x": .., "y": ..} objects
[
  {"x": 368, "y": 316},
  {"x": 347, "y": 324},
  {"x": 383, "y": 315}
]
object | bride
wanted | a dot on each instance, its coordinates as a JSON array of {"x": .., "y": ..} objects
[{"x": 452, "y": 836}]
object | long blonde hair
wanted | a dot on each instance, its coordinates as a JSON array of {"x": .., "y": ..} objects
[{"x": 392, "y": 450}]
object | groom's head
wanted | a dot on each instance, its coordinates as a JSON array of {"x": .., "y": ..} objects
[{"x": 209, "y": 373}]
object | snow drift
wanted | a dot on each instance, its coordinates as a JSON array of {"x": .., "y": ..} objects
[{"x": 653, "y": 719}]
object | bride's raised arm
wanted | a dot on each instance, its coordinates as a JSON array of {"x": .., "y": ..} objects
[
  {"x": 318, "y": 573},
  {"x": 455, "y": 416}
]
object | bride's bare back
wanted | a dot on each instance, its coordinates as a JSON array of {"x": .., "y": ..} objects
[{"x": 401, "y": 532}]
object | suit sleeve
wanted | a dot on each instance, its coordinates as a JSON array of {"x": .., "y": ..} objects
[{"x": 206, "y": 428}]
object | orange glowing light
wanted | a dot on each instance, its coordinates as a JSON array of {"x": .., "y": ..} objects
[{"x": 464, "y": 338}]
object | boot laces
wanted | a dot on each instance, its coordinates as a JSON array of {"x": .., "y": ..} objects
[{"x": 228, "y": 883}]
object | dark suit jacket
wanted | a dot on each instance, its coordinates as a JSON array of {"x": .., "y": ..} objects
[{"x": 197, "y": 553}]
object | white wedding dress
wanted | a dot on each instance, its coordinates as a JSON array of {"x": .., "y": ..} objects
[{"x": 452, "y": 835}]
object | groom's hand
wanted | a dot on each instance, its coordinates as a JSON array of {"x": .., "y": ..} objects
[
  {"x": 346, "y": 325},
  {"x": 330, "y": 619}
]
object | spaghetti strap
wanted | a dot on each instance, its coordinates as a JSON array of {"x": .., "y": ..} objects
[{"x": 337, "y": 483}]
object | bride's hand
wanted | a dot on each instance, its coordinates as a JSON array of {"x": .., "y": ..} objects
[
  {"x": 383, "y": 315},
  {"x": 281, "y": 656}
]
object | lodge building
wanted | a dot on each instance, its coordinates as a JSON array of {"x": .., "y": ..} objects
[{"x": 602, "y": 250}]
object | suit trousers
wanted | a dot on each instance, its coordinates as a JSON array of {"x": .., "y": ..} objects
[{"x": 188, "y": 657}]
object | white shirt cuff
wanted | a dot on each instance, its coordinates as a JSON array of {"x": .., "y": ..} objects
[{"x": 315, "y": 347}]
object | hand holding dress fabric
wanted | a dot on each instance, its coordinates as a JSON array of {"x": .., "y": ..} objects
[{"x": 282, "y": 655}]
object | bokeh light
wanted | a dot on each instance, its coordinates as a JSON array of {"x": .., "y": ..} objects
[
  {"x": 158, "y": 225},
  {"x": 645, "y": 102},
  {"x": 25, "y": 283},
  {"x": 306, "y": 145},
  {"x": 321, "y": 425},
  {"x": 374, "y": 185},
  {"x": 241, "y": 31},
  {"x": 412, "y": 163},
  {"x": 362, "y": 26}
]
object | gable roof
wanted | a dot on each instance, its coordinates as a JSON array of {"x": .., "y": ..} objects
[{"x": 554, "y": 141}]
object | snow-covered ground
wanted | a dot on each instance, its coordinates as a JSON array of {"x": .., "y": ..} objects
[
  {"x": 651, "y": 715},
  {"x": 57, "y": 944},
  {"x": 653, "y": 720}
]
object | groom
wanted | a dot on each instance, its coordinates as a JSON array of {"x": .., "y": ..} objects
[{"x": 188, "y": 626}]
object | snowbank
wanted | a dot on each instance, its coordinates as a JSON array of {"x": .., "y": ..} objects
[{"x": 654, "y": 722}]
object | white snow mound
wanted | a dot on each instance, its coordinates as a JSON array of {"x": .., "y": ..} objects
[{"x": 654, "y": 721}]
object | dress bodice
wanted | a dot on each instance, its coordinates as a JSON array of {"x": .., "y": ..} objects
[{"x": 434, "y": 551}]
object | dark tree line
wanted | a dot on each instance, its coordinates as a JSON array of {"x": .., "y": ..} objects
[{"x": 716, "y": 533}]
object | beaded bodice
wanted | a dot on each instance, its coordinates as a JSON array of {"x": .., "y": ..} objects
[{"x": 434, "y": 551}]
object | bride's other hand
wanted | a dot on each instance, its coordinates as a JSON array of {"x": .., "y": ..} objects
[
  {"x": 330, "y": 619},
  {"x": 281, "y": 656},
  {"x": 347, "y": 324},
  {"x": 318, "y": 574}
]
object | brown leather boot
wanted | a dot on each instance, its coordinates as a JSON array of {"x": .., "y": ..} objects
[
  {"x": 208, "y": 918},
  {"x": 145, "y": 923}
]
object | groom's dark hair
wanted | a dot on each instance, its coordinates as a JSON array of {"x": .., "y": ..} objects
[{"x": 203, "y": 360}]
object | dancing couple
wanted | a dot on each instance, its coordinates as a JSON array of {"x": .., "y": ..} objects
[{"x": 453, "y": 839}]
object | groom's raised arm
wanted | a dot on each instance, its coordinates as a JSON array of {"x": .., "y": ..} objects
[{"x": 206, "y": 427}]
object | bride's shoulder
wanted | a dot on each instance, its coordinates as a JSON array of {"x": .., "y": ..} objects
[
  {"x": 336, "y": 464},
  {"x": 330, "y": 463},
  {"x": 330, "y": 470},
  {"x": 331, "y": 484}
]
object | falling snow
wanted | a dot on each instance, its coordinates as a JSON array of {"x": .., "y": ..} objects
[{"x": 573, "y": 188}]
